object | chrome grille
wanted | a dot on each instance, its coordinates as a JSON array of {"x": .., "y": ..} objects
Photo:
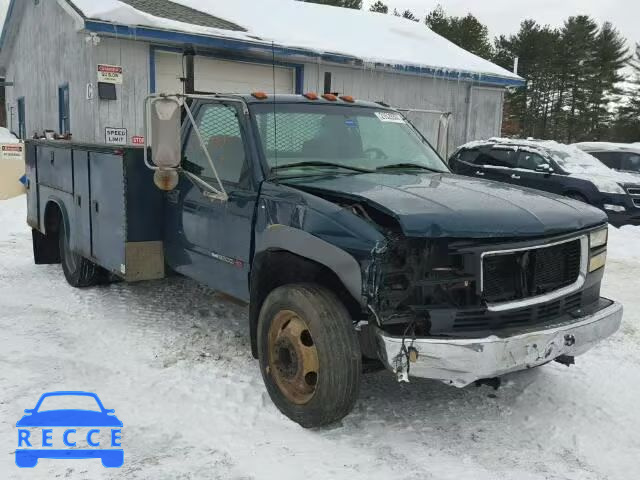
[
  {"x": 633, "y": 191},
  {"x": 522, "y": 274}
]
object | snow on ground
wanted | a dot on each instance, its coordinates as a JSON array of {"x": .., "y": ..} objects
[{"x": 173, "y": 359}]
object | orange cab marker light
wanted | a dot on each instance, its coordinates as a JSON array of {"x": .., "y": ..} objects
[
  {"x": 330, "y": 97},
  {"x": 260, "y": 95},
  {"x": 347, "y": 98},
  {"x": 311, "y": 96}
]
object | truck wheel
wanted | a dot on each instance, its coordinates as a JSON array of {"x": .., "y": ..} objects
[
  {"x": 309, "y": 354},
  {"x": 78, "y": 271}
]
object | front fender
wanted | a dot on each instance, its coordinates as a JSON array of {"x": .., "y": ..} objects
[{"x": 303, "y": 244}]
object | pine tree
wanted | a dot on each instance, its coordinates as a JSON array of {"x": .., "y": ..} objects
[
  {"x": 408, "y": 14},
  {"x": 466, "y": 32},
  {"x": 379, "y": 7},
  {"x": 626, "y": 126},
  {"x": 355, "y": 4}
]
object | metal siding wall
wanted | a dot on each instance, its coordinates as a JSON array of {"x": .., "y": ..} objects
[
  {"x": 49, "y": 52},
  {"x": 412, "y": 91}
]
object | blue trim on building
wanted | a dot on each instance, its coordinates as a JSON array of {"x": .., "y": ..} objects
[
  {"x": 297, "y": 68},
  {"x": 246, "y": 48},
  {"x": 62, "y": 106}
]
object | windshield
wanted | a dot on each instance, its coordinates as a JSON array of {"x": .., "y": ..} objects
[
  {"x": 66, "y": 402},
  {"x": 300, "y": 137}
]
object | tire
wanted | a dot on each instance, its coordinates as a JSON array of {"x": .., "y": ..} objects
[
  {"x": 305, "y": 328},
  {"x": 78, "y": 271},
  {"x": 577, "y": 196}
]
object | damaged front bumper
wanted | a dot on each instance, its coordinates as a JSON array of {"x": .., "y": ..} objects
[{"x": 459, "y": 362}]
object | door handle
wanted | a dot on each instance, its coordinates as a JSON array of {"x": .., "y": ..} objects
[
  {"x": 479, "y": 173},
  {"x": 515, "y": 177}
]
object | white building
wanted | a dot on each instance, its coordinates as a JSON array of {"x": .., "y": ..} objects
[{"x": 52, "y": 51}]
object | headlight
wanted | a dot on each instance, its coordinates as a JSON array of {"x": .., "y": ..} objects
[
  {"x": 597, "y": 262},
  {"x": 605, "y": 185},
  {"x": 599, "y": 238}
]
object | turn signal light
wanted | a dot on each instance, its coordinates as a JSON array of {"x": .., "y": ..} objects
[
  {"x": 260, "y": 95},
  {"x": 311, "y": 96},
  {"x": 330, "y": 97},
  {"x": 597, "y": 262},
  {"x": 347, "y": 98}
]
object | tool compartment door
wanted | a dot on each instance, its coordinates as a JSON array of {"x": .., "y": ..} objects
[{"x": 108, "y": 211}]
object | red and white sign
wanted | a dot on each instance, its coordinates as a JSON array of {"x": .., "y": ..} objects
[
  {"x": 137, "y": 140},
  {"x": 12, "y": 151},
  {"x": 110, "y": 74}
]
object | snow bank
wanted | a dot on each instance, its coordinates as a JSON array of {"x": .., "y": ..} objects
[
  {"x": 371, "y": 37},
  {"x": 624, "y": 243},
  {"x": 13, "y": 216},
  {"x": 7, "y": 137}
]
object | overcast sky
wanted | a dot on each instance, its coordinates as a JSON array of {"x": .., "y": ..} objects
[{"x": 504, "y": 16}]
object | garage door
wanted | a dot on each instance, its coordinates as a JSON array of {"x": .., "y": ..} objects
[{"x": 214, "y": 75}]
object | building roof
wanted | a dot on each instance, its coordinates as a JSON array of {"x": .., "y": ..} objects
[
  {"x": 181, "y": 13},
  {"x": 291, "y": 28}
]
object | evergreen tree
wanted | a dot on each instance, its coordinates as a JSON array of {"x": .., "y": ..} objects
[
  {"x": 408, "y": 14},
  {"x": 379, "y": 7},
  {"x": 626, "y": 126},
  {"x": 355, "y": 4},
  {"x": 466, "y": 32}
]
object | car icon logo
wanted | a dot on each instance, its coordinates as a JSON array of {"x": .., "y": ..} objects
[{"x": 97, "y": 420}]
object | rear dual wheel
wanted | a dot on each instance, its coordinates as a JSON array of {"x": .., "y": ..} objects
[
  {"x": 309, "y": 354},
  {"x": 78, "y": 271}
]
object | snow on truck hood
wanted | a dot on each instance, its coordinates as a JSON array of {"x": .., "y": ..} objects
[
  {"x": 446, "y": 205},
  {"x": 371, "y": 37}
]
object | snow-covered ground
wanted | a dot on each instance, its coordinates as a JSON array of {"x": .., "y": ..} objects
[{"x": 174, "y": 361}]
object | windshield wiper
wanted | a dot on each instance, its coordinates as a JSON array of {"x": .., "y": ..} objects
[
  {"x": 320, "y": 164},
  {"x": 399, "y": 166}
]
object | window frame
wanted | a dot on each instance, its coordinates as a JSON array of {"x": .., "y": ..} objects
[
  {"x": 524, "y": 151},
  {"x": 64, "y": 107},
  {"x": 22, "y": 121},
  {"x": 245, "y": 136}
]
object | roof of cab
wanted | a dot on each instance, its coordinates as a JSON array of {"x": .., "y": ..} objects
[{"x": 289, "y": 98}]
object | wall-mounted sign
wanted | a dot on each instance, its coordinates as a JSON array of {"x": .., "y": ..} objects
[
  {"x": 115, "y": 136},
  {"x": 12, "y": 151},
  {"x": 110, "y": 74},
  {"x": 137, "y": 140}
]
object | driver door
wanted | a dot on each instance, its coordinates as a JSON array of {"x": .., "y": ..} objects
[{"x": 210, "y": 240}]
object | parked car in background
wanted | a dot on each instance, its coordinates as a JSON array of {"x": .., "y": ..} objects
[
  {"x": 619, "y": 156},
  {"x": 553, "y": 167}
]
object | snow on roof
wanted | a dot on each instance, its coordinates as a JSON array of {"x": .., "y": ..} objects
[
  {"x": 367, "y": 36},
  {"x": 596, "y": 146}
]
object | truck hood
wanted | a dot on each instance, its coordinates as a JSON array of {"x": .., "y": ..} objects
[{"x": 447, "y": 205}]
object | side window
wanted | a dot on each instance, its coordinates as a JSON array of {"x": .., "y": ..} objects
[
  {"x": 498, "y": 157},
  {"x": 610, "y": 159},
  {"x": 469, "y": 156},
  {"x": 220, "y": 128},
  {"x": 631, "y": 162},
  {"x": 531, "y": 161}
]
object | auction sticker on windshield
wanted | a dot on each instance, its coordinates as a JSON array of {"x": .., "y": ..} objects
[{"x": 392, "y": 117}]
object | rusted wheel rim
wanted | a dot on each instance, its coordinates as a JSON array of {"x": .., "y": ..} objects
[{"x": 293, "y": 357}]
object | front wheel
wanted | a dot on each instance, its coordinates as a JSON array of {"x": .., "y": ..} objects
[
  {"x": 309, "y": 354},
  {"x": 78, "y": 271}
]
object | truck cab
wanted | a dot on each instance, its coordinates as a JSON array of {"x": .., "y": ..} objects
[{"x": 344, "y": 231}]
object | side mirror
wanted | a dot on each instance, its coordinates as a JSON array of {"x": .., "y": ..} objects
[
  {"x": 544, "y": 168},
  {"x": 165, "y": 132}
]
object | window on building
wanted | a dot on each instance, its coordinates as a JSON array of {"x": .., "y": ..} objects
[
  {"x": 63, "y": 109},
  {"x": 22, "y": 125},
  {"x": 221, "y": 132}
]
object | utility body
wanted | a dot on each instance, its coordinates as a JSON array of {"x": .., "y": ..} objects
[{"x": 343, "y": 230}]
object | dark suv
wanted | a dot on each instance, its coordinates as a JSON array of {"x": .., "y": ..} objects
[
  {"x": 556, "y": 168},
  {"x": 618, "y": 156}
]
